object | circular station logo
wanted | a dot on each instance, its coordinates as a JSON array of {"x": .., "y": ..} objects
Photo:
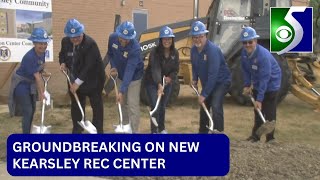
[{"x": 5, "y": 53}]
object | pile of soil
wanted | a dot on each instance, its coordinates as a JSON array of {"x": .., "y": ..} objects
[
  {"x": 261, "y": 160},
  {"x": 273, "y": 161}
]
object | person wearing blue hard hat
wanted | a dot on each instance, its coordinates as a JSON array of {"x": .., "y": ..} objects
[
  {"x": 209, "y": 65},
  {"x": 124, "y": 55},
  {"x": 262, "y": 80},
  {"x": 26, "y": 83},
  {"x": 81, "y": 58},
  {"x": 163, "y": 62}
]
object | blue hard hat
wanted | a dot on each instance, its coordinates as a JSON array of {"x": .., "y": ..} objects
[
  {"x": 39, "y": 35},
  {"x": 126, "y": 30},
  {"x": 166, "y": 32},
  {"x": 248, "y": 33},
  {"x": 198, "y": 28},
  {"x": 73, "y": 28}
]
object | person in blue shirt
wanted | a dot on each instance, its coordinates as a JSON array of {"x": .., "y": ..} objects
[
  {"x": 163, "y": 61},
  {"x": 124, "y": 55},
  {"x": 262, "y": 78},
  {"x": 26, "y": 83},
  {"x": 209, "y": 65},
  {"x": 80, "y": 55}
]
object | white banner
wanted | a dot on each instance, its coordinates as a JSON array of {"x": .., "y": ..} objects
[
  {"x": 18, "y": 18},
  {"x": 31, "y": 5},
  {"x": 20, "y": 47}
]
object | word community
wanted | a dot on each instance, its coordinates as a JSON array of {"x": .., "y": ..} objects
[{"x": 88, "y": 163}]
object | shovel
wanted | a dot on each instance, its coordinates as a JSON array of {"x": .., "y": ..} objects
[
  {"x": 42, "y": 129},
  {"x": 85, "y": 124},
  {"x": 210, "y": 127},
  {"x": 153, "y": 119},
  {"x": 267, "y": 126},
  {"x": 120, "y": 128}
]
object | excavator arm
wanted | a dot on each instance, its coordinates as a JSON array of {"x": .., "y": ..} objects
[{"x": 301, "y": 87}]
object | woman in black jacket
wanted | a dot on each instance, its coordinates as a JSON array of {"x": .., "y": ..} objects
[{"x": 163, "y": 62}]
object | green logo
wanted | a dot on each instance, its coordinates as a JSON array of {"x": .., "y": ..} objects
[
  {"x": 281, "y": 32},
  {"x": 291, "y": 29}
]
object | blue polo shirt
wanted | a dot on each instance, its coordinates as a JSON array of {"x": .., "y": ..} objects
[
  {"x": 127, "y": 60},
  {"x": 261, "y": 70},
  {"x": 210, "y": 67},
  {"x": 30, "y": 64}
]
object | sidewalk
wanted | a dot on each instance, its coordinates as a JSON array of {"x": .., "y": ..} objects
[{"x": 4, "y": 175}]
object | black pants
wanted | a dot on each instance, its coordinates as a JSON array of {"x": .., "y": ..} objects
[
  {"x": 96, "y": 103},
  {"x": 269, "y": 110},
  {"x": 214, "y": 102}
]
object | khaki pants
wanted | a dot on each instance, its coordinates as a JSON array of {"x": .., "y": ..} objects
[{"x": 131, "y": 105}]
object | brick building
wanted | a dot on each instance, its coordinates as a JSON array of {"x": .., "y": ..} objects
[{"x": 98, "y": 18}]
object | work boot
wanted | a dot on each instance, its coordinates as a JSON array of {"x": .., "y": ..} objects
[
  {"x": 163, "y": 132},
  {"x": 216, "y": 131},
  {"x": 253, "y": 139},
  {"x": 272, "y": 141}
]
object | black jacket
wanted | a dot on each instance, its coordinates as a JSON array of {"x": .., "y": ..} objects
[
  {"x": 84, "y": 62},
  {"x": 160, "y": 66}
]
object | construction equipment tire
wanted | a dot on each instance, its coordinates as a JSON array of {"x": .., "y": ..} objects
[{"x": 237, "y": 80}]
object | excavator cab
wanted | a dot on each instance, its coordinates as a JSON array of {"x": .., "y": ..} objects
[
  {"x": 228, "y": 17},
  {"x": 225, "y": 23},
  {"x": 225, "y": 20}
]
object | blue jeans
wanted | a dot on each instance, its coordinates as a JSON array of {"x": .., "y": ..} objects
[
  {"x": 152, "y": 92},
  {"x": 28, "y": 107},
  {"x": 214, "y": 102}
]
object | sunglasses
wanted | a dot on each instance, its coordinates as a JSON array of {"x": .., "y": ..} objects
[{"x": 247, "y": 42}]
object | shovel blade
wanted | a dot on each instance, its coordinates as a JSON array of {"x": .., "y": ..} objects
[
  {"x": 123, "y": 129},
  {"x": 41, "y": 130},
  {"x": 88, "y": 126},
  {"x": 266, "y": 128},
  {"x": 154, "y": 121}
]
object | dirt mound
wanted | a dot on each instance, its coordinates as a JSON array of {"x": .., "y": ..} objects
[
  {"x": 264, "y": 161},
  {"x": 295, "y": 156},
  {"x": 273, "y": 161}
]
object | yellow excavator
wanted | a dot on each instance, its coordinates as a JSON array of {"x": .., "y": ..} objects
[{"x": 225, "y": 20}]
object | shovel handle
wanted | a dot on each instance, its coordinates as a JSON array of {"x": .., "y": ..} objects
[
  {"x": 204, "y": 108},
  {"x": 114, "y": 79},
  {"x": 258, "y": 110},
  {"x": 115, "y": 83},
  {"x": 74, "y": 94},
  {"x": 154, "y": 121},
  {"x": 158, "y": 99},
  {"x": 87, "y": 126},
  {"x": 157, "y": 104}
]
